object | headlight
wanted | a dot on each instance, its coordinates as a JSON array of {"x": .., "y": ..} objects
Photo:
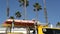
[{"x": 44, "y": 30}]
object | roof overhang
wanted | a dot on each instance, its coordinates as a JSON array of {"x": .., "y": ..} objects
[{"x": 24, "y": 23}]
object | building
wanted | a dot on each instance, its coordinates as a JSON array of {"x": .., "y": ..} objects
[{"x": 18, "y": 26}]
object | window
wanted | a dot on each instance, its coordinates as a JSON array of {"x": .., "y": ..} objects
[{"x": 51, "y": 31}]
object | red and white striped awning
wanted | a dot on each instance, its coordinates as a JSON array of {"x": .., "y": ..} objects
[
  {"x": 20, "y": 22},
  {"x": 23, "y": 21}
]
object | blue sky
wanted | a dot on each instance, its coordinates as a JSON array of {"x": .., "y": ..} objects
[{"x": 53, "y": 10}]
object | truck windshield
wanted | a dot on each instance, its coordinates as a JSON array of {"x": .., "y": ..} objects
[{"x": 51, "y": 31}]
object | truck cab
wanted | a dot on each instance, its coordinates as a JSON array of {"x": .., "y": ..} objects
[{"x": 47, "y": 30}]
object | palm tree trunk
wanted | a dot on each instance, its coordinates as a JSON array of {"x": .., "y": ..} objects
[
  {"x": 12, "y": 27},
  {"x": 36, "y": 15},
  {"x": 13, "y": 24},
  {"x": 36, "y": 18},
  {"x": 35, "y": 30},
  {"x": 7, "y": 13},
  {"x": 45, "y": 11},
  {"x": 28, "y": 30},
  {"x": 6, "y": 30},
  {"x": 7, "y": 8},
  {"x": 25, "y": 10},
  {"x": 36, "y": 21}
]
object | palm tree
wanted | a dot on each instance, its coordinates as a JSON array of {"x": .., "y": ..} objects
[
  {"x": 45, "y": 12},
  {"x": 7, "y": 12},
  {"x": 24, "y": 3},
  {"x": 18, "y": 14},
  {"x": 37, "y": 7},
  {"x": 58, "y": 24}
]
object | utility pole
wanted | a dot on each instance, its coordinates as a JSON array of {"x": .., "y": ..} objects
[{"x": 45, "y": 11}]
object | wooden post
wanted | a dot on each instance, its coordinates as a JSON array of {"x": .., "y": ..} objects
[
  {"x": 28, "y": 30},
  {"x": 6, "y": 30}
]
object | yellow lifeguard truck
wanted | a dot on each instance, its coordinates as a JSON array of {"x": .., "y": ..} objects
[{"x": 47, "y": 30}]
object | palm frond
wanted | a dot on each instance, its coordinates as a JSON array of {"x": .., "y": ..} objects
[
  {"x": 22, "y": 2},
  {"x": 38, "y": 9},
  {"x": 18, "y": 14},
  {"x": 37, "y": 6},
  {"x": 11, "y": 17},
  {"x": 27, "y": 3},
  {"x": 34, "y": 9},
  {"x": 58, "y": 24},
  {"x": 37, "y": 3}
]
